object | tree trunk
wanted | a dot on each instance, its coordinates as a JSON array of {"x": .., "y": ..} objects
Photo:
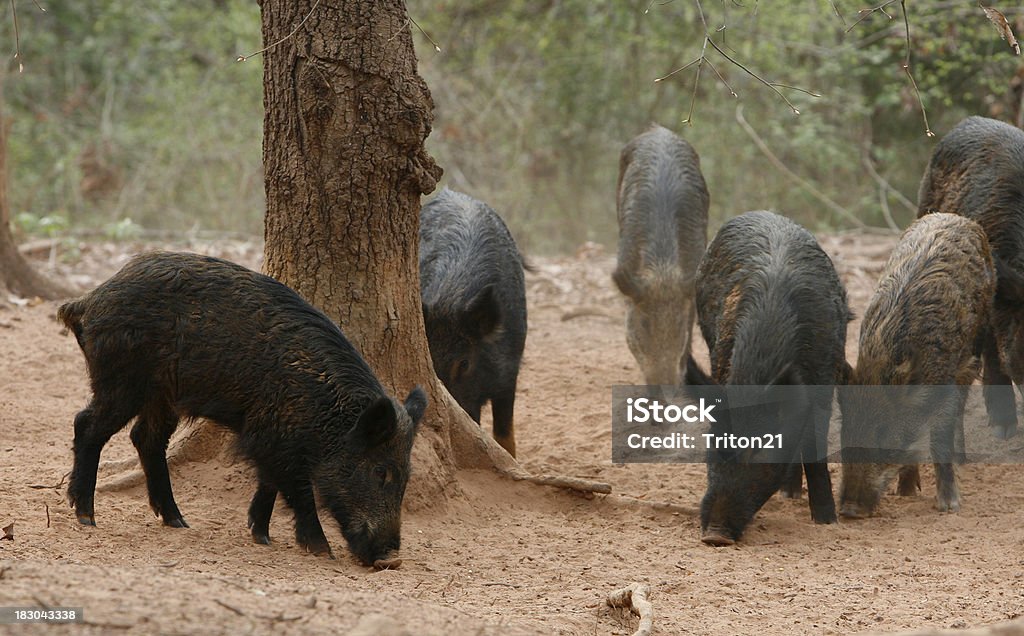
[
  {"x": 346, "y": 118},
  {"x": 16, "y": 275}
]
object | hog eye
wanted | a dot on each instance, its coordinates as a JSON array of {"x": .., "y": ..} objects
[
  {"x": 459, "y": 369},
  {"x": 381, "y": 473}
]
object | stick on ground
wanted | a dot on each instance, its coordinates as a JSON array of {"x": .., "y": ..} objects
[{"x": 634, "y": 598}]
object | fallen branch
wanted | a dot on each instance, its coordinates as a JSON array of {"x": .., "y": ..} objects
[
  {"x": 634, "y": 598},
  {"x": 568, "y": 483},
  {"x": 200, "y": 442}
]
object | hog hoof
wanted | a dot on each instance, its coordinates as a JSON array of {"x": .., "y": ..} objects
[
  {"x": 717, "y": 539},
  {"x": 948, "y": 506},
  {"x": 1004, "y": 431},
  {"x": 87, "y": 520},
  {"x": 260, "y": 538},
  {"x": 853, "y": 511},
  {"x": 176, "y": 523}
]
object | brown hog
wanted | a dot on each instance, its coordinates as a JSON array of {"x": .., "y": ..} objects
[{"x": 923, "y": 327}]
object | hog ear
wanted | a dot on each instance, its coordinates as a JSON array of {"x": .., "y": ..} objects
[
  {"x": 415, "y": 405},
  {"x": 483, "y": 314},
  {"x": 626, "y": 283},
  {"x": 377, "y": 423},
  {"x": 1009, "y": 283}
]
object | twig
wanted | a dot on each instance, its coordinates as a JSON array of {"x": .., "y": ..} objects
[
  {"x": 703, "y": 58},
  {"x": 568, "y": 483},
  {"x": 634, "y": 598},
  {"x": 803, "y": 183},
  {"x": 511, "y": 585},
  {"x": 864, "y": 13},
  {"x": 663, "y": 3},
  {"x": 17, "y": 38},
  {"x": 229, "y": 607},
  {"x": 906, "y": 68},
  {"x": 58, "y": 486},
  {"x": 47, "y": 506},
  {"x": 242, "y": 58},
  {"x": 837, "y": 12},
  {"x": 884, "y": 188},
  {"x": 430, "y": 39}
]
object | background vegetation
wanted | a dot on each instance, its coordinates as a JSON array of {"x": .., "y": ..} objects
[{"x": 134, "y": 114}]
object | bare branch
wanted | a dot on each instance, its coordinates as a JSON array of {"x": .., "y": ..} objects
[
  {"x": 436, "y": 47},
  {"x": 865, "y": 13},
  {"x": 906, "y": 67},
  {"x": 17, "y": 39},
  {"x": 839, "y": 14},
  {"x": 770, "y": 85},
  {"x": 703, "y": 59},
  {"x": 242, "y": 58}
]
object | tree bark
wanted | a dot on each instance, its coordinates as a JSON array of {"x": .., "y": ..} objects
[{"x": 346, "y": 117}]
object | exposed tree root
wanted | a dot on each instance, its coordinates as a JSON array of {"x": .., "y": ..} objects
[
  {"x": 634, "y": 598},
  {"x": 200, "y": 441},
  {"x": 568, "y": 483}
]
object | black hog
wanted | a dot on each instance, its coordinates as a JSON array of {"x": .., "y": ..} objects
[
  {"x": 923, "y": 327},
  {"x": 977, "y": 171},
  {"x": 183, "y": 335},
  {"x": 773, "y": 312},
  {"x": 474, "y": 306},
  {"x": 663, "y": 219}
]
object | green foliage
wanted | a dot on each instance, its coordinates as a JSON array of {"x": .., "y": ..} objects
[
  {"x": 536, "y": 98},
  {"x": 137, "y": 108}
]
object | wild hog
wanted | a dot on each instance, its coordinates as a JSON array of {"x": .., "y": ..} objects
[
  {"x": 773, "y": 312},
  {"x": 663, "y": 219},
  {"x": 977, "y": 171},
  {"x": 176, "y": 336},
  {"x": 474, "y": 306},
  {"x": 923, "y": 327}
]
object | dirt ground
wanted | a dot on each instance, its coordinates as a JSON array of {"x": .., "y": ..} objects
[{"x": 510, "y": 558}]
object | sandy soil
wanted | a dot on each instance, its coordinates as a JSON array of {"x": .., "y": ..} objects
[{"x": 510, "y": 558}]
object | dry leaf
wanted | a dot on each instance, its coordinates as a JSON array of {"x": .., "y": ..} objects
[
  {"x": 8, "y": 532},
  {"x": 1005, "y": 32}
]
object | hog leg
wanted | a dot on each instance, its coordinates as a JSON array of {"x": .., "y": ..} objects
[
  {"x": 260, "y": 510},
  {"x": 94, "y": 426},
  {"x": 998, "y": 391},
  {"x": 150, "y": 435}
]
